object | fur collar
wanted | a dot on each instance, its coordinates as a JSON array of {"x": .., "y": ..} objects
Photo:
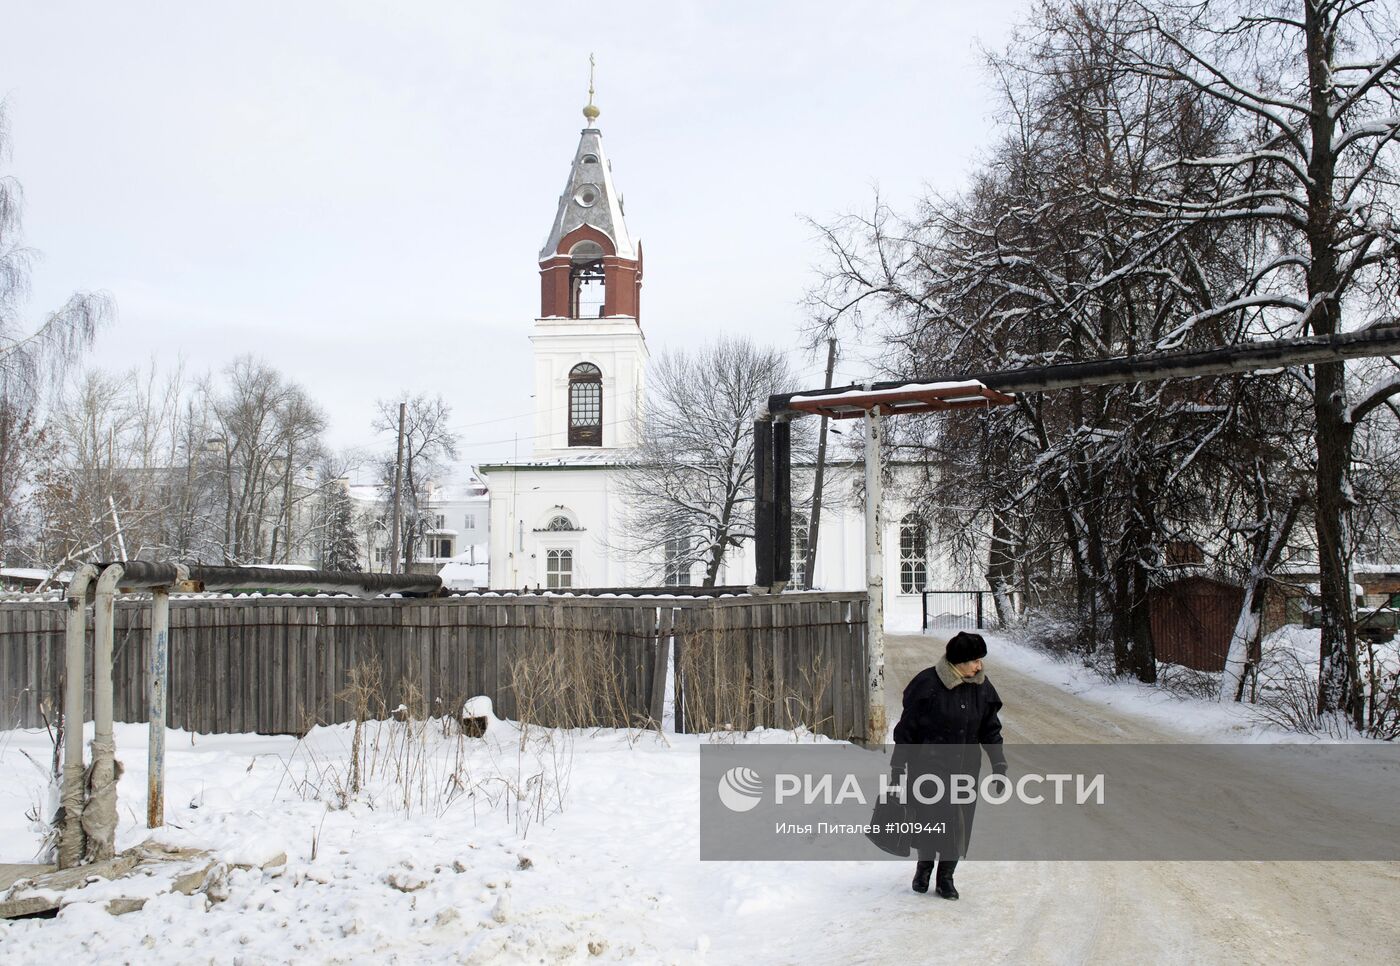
[{"x": 951, "y": 678}]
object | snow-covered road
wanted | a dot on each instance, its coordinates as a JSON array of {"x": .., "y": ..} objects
[{"x": 1153, "y": 912}]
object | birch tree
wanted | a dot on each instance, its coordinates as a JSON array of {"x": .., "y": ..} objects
[{"x": 32, "y": 353}]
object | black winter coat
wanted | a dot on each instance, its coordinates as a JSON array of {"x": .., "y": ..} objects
[{"x": 964, "y": 716}]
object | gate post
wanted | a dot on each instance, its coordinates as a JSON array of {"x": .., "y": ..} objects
[
  {"x": 160, "y": 675},
  {"x": 875, "y": 579}
]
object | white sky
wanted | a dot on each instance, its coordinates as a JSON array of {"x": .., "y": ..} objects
[{"x": 358, "y": 192}]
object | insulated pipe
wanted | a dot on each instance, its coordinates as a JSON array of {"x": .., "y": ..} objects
[
  {"x": 70, "y": 835},
  {"x": 875, "y": 581},
  {"x": 100, "y": 814},
  {"x": 1191, "y": 364},
  {"x": 160, "y": 675},
  {"x": 142, "y": 574}
]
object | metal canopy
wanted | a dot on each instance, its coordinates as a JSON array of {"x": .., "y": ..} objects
[{"x": 917, "y": 397}]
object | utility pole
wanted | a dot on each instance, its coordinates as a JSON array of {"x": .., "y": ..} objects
[
  {"x": 287, "y": 507},
  {"x": 875, "y": 578},
  {"x": 394, "y": 562},
  {"x": 810, "y": 564}
]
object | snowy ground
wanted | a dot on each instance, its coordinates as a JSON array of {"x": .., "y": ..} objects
[
  {"x": 1188, "y": 718},
  {"x": 420, "y": 869}
]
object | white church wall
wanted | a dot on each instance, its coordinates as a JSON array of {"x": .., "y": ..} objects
[
  {"x": 523, "y": 501},
  {"x": 615, "y": 346}
]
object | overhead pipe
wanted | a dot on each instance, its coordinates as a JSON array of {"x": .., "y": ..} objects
[
  {"x": 1373, "y": 342},
  {"x": 70, "y": 833},
  {"x": 143, "y": 575}
]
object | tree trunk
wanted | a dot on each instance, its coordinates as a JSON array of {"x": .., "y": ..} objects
[
  {"x": 1338, "y": 673},
  {"x": 1001, "y": 569}
]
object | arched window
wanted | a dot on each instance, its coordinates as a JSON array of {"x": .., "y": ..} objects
[
  {"x": 800, "y": 532},
  {"x": 677, "y": 570},
  {"x": 559, "y": 569},
  {"x": 587, "y": 291},
  {"x": 559, "y": 522},
  {"x": 588, "y": 159},
  {"x": 913, "y": 554},
  {"x": 585, "y": 405}
]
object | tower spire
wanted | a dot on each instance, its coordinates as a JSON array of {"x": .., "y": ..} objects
[{"x": 591, "y": 112}]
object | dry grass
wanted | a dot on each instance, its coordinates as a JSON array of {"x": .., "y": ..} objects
[
  {"x": 731, "y": 683},
  {"x": 413, "y": 763},
  {"x": 1288, "y": 698}
]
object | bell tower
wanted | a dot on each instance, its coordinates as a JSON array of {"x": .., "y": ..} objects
[{"x": 590, "y": 354}]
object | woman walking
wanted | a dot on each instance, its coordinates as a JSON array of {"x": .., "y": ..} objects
[{"x": 951, "y": 703}]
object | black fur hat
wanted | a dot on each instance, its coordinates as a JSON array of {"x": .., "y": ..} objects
[{"x": 966, "y": 647}]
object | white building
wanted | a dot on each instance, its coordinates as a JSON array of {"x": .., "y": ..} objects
[
  {"x": 456, "y": 542},
  {"x": 551, "y": 514}
]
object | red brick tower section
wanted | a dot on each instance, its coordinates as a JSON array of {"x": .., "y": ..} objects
[{"x": 622, "y": 277}]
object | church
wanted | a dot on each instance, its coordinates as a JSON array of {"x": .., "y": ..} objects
[{"x": 551, "y": 513}]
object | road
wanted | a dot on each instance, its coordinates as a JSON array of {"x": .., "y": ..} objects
[{"x": 1143, "y": 912}]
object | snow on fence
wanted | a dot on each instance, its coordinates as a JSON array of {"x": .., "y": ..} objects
[{"x": 279, "y": 665}]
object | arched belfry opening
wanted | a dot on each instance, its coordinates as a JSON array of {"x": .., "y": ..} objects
[
  {"x": 585, "y": 405},
  {"x": 587, "y": 281}
]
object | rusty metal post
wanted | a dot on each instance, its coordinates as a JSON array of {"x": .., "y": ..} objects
[
  {"x": 70, "y": 835},
  {"x": 100, "y": 812},
  {"x": 160, "y": 674},
  {"x": 875, "y": 579}
]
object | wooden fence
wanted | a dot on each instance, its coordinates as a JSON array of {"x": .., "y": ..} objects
[{"x": 278, "y": 665}]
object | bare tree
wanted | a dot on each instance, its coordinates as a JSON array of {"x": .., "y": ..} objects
[
  {"x": 110, "y": 480},
  {"x": 264, "y": 431},
  {"x": 31, "y": 354},
  {"x": 1313, "y": 91},
  {"x": 429, "y": 444},
  {"x": 689, "y": 485}
]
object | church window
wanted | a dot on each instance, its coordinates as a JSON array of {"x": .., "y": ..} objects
[
  {"x": 677, "y": 562},
  {"x": 559, "y": 569},
  {"x": 589, "y": 159},
  {"x": 799, "y": 550},
  {"x": 913, "y": 554},
  {"x": 585, "y": 405},
  {"x": 587, "y": 283},
  {"x": 560, "y": 522}
]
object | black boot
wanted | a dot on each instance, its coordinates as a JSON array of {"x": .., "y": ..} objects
[
  {"x": 921, "y": 873},
  {"x": 943, "y": 881}
]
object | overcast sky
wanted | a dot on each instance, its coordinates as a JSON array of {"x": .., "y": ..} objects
[{"x": 358, "y": 192}]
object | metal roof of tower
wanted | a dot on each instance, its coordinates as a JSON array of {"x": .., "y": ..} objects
[{"x": 589, "y": 197}]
